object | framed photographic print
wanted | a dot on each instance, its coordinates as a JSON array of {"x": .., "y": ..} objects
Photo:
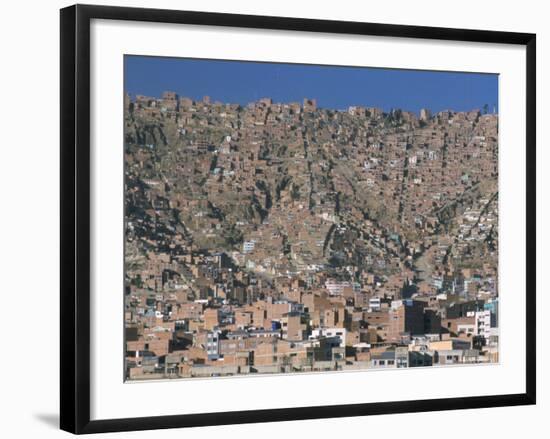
[{"x": 268, "y": 218}]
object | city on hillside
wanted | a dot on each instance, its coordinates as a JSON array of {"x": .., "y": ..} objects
[{"x": 285, "y": 238}]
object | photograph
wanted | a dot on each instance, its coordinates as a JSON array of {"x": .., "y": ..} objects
[
  {"x": 271, "y": 220},
  {"x": 288, "y": 218}
]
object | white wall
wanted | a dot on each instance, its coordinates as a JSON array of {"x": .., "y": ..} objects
[{"x": 29, "y": 182}]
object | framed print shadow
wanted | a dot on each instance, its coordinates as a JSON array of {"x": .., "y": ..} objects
[{"x": 270, "y": 218}]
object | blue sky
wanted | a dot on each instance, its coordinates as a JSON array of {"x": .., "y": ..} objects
[{"x": 333, "y": 86}]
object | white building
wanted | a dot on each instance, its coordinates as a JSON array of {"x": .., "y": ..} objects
[
  {"x": 213, "y": 344},
  {"x": 248, "y": 246},
  {"x": 330, "y": 332},
  {"x": 483, "y": 323},
  {"x": 375, "y": 303}
]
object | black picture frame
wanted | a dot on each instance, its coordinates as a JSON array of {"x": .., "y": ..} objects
[{"x": 75, "y": 218}]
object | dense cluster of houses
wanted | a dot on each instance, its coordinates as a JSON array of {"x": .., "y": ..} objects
[{"x": 284, "y": 237}]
